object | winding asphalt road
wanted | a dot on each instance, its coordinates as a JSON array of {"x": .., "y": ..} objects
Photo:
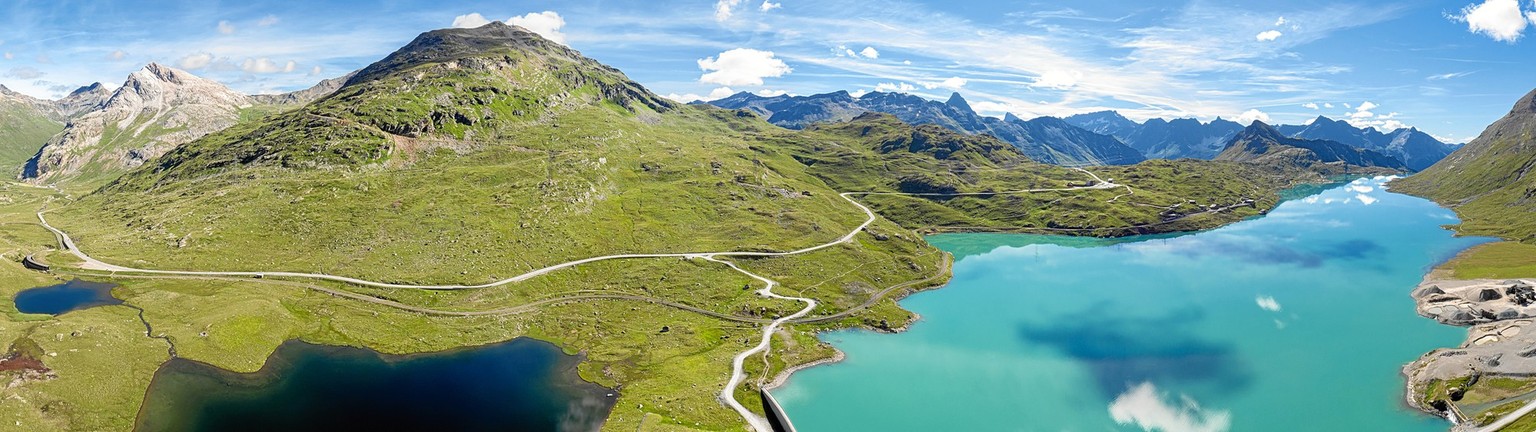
[{"x": 727, "y": 395}]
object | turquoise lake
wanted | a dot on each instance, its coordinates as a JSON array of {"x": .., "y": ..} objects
[{"x": 1299, "y": 320}]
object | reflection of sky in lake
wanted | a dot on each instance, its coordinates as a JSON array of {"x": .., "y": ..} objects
[{"x": 1237, "y": 328}]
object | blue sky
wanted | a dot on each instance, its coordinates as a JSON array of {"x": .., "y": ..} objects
[{"x": 1447, "y": 67}]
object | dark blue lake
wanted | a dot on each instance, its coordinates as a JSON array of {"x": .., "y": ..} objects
[
  {"x": 65, "y": 297},
  {"x": 519, "y": 385}
]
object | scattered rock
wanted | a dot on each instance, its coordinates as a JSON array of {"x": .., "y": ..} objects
[{"x": 1488, "y": 294}]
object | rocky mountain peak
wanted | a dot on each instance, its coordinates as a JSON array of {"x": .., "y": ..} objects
[
  {"x": 958, "y": 102},
  {"x": 446, "y": 45},
  {"x": 93, "y": 88},
  {"x": 1526, "y": 105},
  {"x": 1258, "y": 130}
]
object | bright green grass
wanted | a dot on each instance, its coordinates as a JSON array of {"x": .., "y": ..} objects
[{"x": 1502, "y": 260}]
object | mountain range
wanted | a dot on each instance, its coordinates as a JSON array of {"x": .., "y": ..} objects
[
  {"x": 1044, "y": 140},
  {"x": 1264, "y": 144},
  {"x": 94, "y": 134},
  {"x": 1098, "y": 138}
]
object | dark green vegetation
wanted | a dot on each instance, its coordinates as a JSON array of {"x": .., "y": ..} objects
[{"x": 473, "y": 155}]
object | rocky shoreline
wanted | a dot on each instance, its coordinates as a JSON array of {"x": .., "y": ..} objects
[{"x": 1499, "y": 343}]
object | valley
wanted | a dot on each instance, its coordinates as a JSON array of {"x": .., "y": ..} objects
[{"x": 487, "y": 193}]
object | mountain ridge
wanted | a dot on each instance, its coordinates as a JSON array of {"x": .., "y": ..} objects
[
  {"x": 1055, "y": 146},
  {"x": 1262, "y": 143}
]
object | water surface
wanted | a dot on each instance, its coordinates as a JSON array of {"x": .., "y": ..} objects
[
  {"x": 65, "y": 297},
  {"x": 520, "y": 385},
  {"x": 1299, "y": 320}
]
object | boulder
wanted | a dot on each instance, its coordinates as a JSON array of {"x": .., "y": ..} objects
[
  {"x": 1428, "y": 290},
  {"x": 1488, "y": 294},
  {"x": 1508, "y": 314},
  {"x": 1461, "y": 316}
]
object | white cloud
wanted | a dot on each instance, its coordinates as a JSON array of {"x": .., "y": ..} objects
[
  {"x": 770, "y": 93},
  {"x": 9, "y": 56},
  {"x": 1361, "y": 188},
  {"x": 267, "y": 21},
  {"x": 742, "y": 67},
  {"x": 723, "y": 9},
  {"x": 1143, "y": 406},
  {"x": 870, "y": 52},
  {"x": 717, "y": 93},
  {"x": 1267, "y": 303},
  {"x": 315, "y": 71},
  {"x": 1268, "y": 35},
  {"x": 1252, "y": 115},
  {"x": 952, "y": 83},
  {"x": 226, "y": 28},
  {"x": 1057, "y": 79},
  {"x": 1280, "y": 22},
  {"x": 1501, "y": 20},
  {"x": 266, "y": 66},
  {"x": 117, "y": 55},
  {"x": 1327, "y": 105},
  {"x": 546, "y": 24},
  {"x": 1309, "y": 105},
  {"x": 1366, "y": 199},
  {"x": 768, "y": 6},
  {"x": 859, "y": 93},
  {"x": 195, "y": 61},
  {"x": 1364, "y": 117},
  {"x": 894, "y": 87},
  {"x": 470, "y": 21}
]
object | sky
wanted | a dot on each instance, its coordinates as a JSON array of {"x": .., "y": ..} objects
[{"x": 1449, "y": 67}]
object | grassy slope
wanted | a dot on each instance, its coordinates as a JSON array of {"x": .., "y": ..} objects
[
  {"x": 22, "y": 132},
  {"x": 324, "y": 189},
  {"x": 880, "y": 154},
  {"x": 1488, "y": 183},
  {"x": 504, "y": 172}
]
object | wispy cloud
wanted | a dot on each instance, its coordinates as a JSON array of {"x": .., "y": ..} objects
[{"x": 1446, "y": 76}]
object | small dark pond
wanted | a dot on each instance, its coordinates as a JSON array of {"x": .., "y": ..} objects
[
  {"x": 519, "y": 385},
  {"x": 65, "y": 297}
]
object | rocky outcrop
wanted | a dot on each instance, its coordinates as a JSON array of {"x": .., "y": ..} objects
[
  {"x": 157, "y": 108},
  {"x": 81, "y": 101}
]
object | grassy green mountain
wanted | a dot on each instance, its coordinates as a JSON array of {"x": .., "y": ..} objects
[
  {"x": 1490, "y": 183},
  {"x": 478, "y": 154},
  {"x": 24, "y": 127},
  {"x": 879, "y": 153},
  {"x": 472, "y": 155}
]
